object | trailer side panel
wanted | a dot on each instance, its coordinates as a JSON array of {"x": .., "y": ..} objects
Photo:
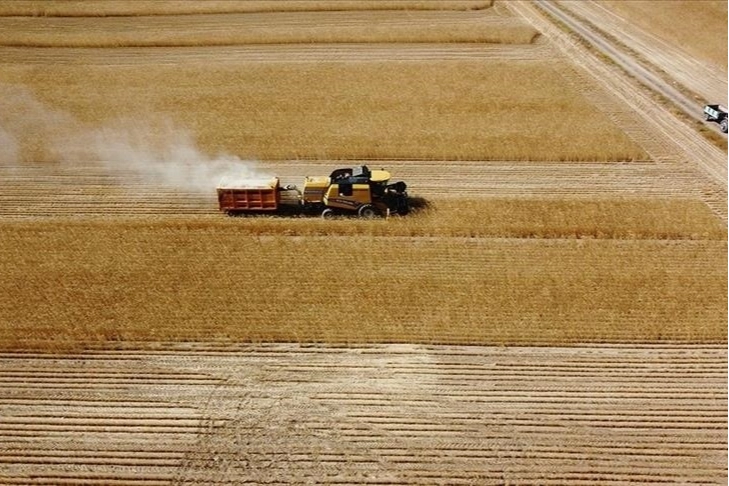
[{"x": 248, "y": 199}]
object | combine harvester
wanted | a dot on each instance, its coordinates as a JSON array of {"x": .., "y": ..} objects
[{"x": 358, "y": 191}]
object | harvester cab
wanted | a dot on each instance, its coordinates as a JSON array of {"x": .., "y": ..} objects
[{"x": 364, "y": 192}]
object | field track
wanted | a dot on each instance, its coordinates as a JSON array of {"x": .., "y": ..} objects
[
  {"x": 385, "y": 414},
  {"x": 270, "y": 53}
]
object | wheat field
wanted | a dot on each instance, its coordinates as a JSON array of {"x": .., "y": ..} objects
[
  {"x": 141, "y": 8},
  {"x": 499, "y": 271},
  {"x": 261, "y": 95},
  {"x": 699, "y": 28},
  {"x": 567, "y": 227},
  {"x": 553, "y": 310},
  {"x": 493, "y": 110},
  {"x": 367, "y": 26},
  {"x": 162, "y": 281}
]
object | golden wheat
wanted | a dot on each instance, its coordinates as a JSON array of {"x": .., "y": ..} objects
[
  {"x": 77, "y": 282},
  {"x": 698, "y": 26},
  {"x": 530, "y": 217},
  {"x": 471, "y": 271},
  {"x": 102, "y": 8},
  {"x": 489, "y": 109},
  {"x": 268, "y": 28}
]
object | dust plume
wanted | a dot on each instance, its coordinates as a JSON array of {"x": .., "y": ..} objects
[
  {"x": 153, "y": 149},
  {"x": 162, "y": 153},
  {"x": 29, "y": 130}
]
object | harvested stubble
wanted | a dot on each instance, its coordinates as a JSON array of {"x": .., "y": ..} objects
[
  {"x": 75, "y": 283},
  {"x": 480, "y": 110},
  {"x": 267, "y": 28},
  {"x": 104, "y": 8}
]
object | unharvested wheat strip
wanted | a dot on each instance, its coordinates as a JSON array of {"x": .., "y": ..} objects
[
  {"x": 268, "y": 28},
  {"x": 111, "y": 8},
  {"x": 350, "y": 110}
]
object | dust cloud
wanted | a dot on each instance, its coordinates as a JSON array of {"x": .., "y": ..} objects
[{"x": 153, "y": 149}]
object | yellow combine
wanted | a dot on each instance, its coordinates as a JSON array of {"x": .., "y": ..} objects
[{"x": 350, "y": 191}]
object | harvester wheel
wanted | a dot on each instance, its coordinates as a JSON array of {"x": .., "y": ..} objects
[
  {"x": 367, "y": 211},
  {"x": 328, "y": 213}
]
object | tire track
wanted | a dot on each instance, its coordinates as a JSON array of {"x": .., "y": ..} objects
[{"x": 400, "y": 414}]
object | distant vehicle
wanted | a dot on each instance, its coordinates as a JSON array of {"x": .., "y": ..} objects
[{"x": 716, "y": 113}]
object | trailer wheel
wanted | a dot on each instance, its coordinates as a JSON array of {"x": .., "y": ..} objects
[
  {"x": 328, "y": 213},
  {"x": 367, "y": 211},
  {"x": 724, "y": 125}
]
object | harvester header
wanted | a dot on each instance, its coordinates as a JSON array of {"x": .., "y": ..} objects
[{"x": 348, "y": 191}]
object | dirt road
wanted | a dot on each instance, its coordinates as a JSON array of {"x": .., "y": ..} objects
[{"x": 394, "y": 414}]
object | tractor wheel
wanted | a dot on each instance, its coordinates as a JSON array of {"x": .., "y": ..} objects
[
  {"x": 328, "y": 213},
  {"x": 724, "y": 125},
  {"x": 367, "y": 211}
]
